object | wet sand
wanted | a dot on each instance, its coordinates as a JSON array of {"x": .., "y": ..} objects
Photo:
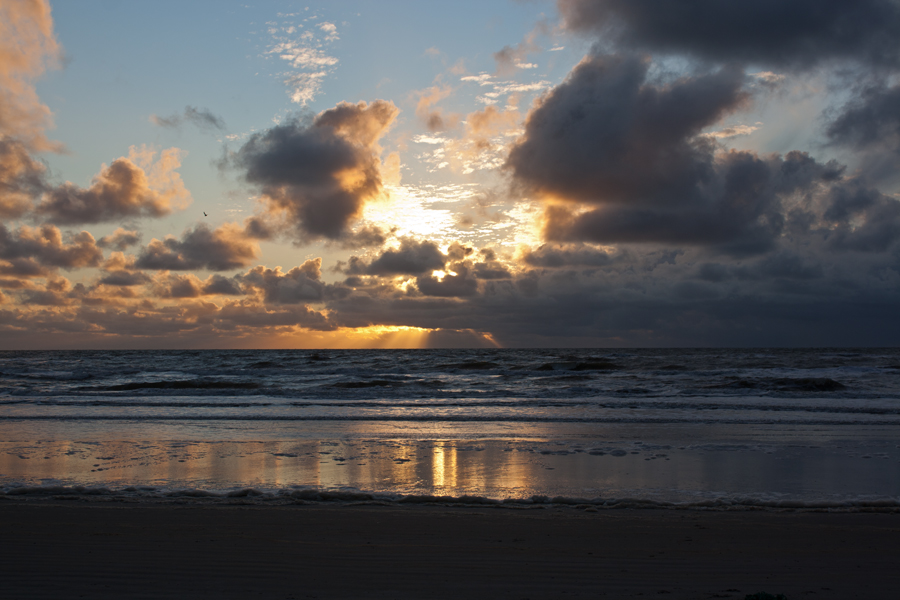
[{"x": 55, "y": 549}]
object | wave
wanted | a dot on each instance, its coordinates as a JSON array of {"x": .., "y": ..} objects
[
  {"x": 431, "y": 418},
  {"x": 578, "y": 366},
  {"x": 475, "y": 365},
  {"x": 190, "y": 384},
  {"x": 510, "y": 403},
  {"x": 784, "y": 384},
  {"x": 242, "y": 495},
  {"x": 352, "y": 385}
]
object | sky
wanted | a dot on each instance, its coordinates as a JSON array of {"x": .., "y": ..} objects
[{"x": 394, "y": 174}]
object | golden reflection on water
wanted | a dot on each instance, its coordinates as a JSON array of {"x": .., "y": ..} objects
[
  {"x": 445, "y": 467},
  {"x": 437, "y": 467}
]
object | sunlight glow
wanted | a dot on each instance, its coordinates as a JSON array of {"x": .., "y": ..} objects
[{"x": 387, "y": 336}]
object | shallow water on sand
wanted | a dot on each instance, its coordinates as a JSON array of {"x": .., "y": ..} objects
[{"x": 750, "y": 426}]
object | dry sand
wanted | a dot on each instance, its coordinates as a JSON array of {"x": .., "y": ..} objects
[{"x": 105, "y": 550}]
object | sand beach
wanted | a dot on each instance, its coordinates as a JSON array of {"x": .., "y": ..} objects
[{"x": 57, "y": 548}]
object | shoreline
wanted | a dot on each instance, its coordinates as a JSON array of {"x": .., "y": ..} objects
[
  {"x": 248, "y": 496},
  {"x": 129, "y": 550}
]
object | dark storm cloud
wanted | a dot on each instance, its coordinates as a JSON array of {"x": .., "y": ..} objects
[
  {"x": 777, "y": 32},
  {"x": 203, "y": 118},
  {"x": 608, "y": 135},
  {"x": 460, "y": 283},
  {"x": 572, "y": 255},
  {"x": 861, "y": 218},
  {"x": 751, "y": 215},
  {"x": 782, "y": 265},
  {"x": 632, "y": 153},
  {"x": 220, "y": 249},
  {"x": 46, "y": 245},
  {"x": 792, "y": 297},
  {"x": 411, "y": 258},
  {"x": 300, "y": 284},
  {"x": 319, "y": 173},
  {"x": 870, "y": 120},
  {"x": 796, "y": 35},
  {"x": 233, "y": 316},
  {"x": 491, "y": 270}
]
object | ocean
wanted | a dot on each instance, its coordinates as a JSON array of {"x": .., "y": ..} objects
[{"x": 717, "y": 428}]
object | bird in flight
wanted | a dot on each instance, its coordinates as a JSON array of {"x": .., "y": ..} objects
[{"x": 204, "y": 214}]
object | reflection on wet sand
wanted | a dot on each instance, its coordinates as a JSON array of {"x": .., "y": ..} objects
[{"x": 499, "y": 469}]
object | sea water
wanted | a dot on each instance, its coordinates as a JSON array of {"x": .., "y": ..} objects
[{"x": 690, "y": 427}]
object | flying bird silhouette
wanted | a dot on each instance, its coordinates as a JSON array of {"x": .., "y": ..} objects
[{"x": 204, "y": 214}]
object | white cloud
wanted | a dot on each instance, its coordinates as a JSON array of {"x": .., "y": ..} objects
[
  {"x": 429, "y": 139},
  {"x": 330, "y": 31},
  {"x": 769, "y": 77},
  {"x": 303, "y": 49},
  {"x": 734, "y": 131},
  {"x": 303, "y": 57},
  {"x": 482, "y": 79},
  {"x": 304, "y": 87}
]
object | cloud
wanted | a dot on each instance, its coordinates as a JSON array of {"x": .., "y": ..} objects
[
  {"x": 870, "y": 120},
  {"x": 318, "y": 174},
  {"x": 485, "y": 142},
  {"x": 170, "y": 285},
  {"x": 800, "y": 33},
  {"x": 23, "y": 267},
  {"x": 203, "y": 118},
  {"x": 308, "y": 60},
  {"x": 491, "y": 268},
  {"x": 609, "y": 138},
  {"x": 27, "y": 47},
  {"x": 434, "y": 118},
  {"x": 46, "y": 245},
  {"x": 136, "y": 186},
  {"x": 55, "y": 292},
  {"x": 568, "y": 255},
  {"x": 413, "y": 257},
  {"x": 860, "y": 218},
  {"x": 124, "y": 278},
  {"x": 733, "y": 131},
  {"x": 606, "y": 134},
  {"x": 510, "y": 58},
  {"x": 300, "y": 284},
  {"x": 221, "y": 286},
  {"x": 363, "y": 237},
  {"x": 120, "y": 239},
  {"x": 21, "y": 178},
  {"x": 330, "y": 30},
  {"x": 619, "y": 158},
  {"x": 254, "y": 319},
  {"x": 200, "y": 247},
  {"x": 460, "y": 283}
]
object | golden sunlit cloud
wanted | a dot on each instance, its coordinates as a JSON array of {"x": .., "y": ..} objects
[
  {"x": 386, "y": 337},
  {"x": 27, "y": 47}
]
